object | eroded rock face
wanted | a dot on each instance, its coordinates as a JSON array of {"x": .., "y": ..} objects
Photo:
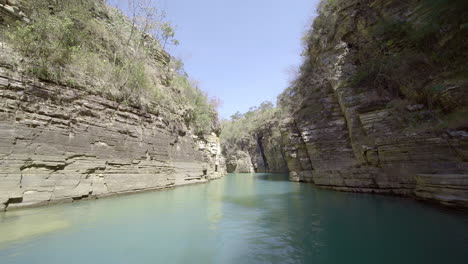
[
  {"x": 261, "y": 152},
  {"x": 348, "y": 137},
  {"x": 10, "y": 12},
  {"x": 239, "y": 162},
  {"x": 59, "y": 144},
  {"x": 269, "y": 149}
]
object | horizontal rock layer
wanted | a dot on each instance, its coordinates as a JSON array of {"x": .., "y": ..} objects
[
  {"x": 60, "y": 144},
  {"x": 347, "y": 136},
  {"x": 261, "y": 152}
]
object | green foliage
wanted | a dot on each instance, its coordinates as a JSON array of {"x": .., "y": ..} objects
[
  {"x": 243, "y": 125},
  {"x": 332, "y": 4},
  {"x": 50, "y": 41},
  {"x": 428, "y": 24},
  {"x": 89, "y": 44},
  {"x": 426, "y": 119},
  {"x": 62, "y": 36},
  {"x": 393, "y": 75},
  {"x": 203, "y": 111},
  {"x": 168, "y": 34},
  {"x": 134, "y": 78},
  {"x": 407, "y": 51},
  {"x": 441, "y": 11},
  {"x": 433, "y": 18},
  {"x": 53, "y": 38},
  {"x": 401, "y": 50},
  {"x": 392, "y": 29},
  {"x": 286, "y": 101},
  {"x": 454, "y": 120}
]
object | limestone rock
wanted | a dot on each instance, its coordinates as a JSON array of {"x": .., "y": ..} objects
[
  {"x": 240, "y": 162},
  {"x": 349, "y": 135},
  {"x": 261, "y": 151},
  {"x": 91, "y": 146},
  {"x": 451, "y": 189}
]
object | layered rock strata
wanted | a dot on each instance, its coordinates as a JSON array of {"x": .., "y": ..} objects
[
  {"x": 61, "y": 144},
  {"x": 260, "y": 152},
  {"x": 348, "y": 137}
]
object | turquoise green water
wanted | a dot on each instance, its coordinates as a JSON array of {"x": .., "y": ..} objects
[{"x": 241, "y": 218}]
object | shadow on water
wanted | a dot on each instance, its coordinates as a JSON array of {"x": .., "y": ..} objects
[
  {"x": 286, "y": 222},
  {"x": 242, "y": 218},
  {"x": 272, "y": 176}
]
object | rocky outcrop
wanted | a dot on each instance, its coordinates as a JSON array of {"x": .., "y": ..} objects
[
  {"x": 10, "y": 12},
  {"x": 269, "y": 149},
  {"x": 261, "y": 152},
  {"x": 61, "y": 144},
  {"x": 350, "y": 134},
  {"x": 240, "y": 162}
]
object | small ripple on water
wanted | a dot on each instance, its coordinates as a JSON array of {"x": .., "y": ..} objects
[{"x": 239, "y": 219}]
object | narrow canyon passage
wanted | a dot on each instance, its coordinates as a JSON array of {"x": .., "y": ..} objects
[
  {"x": 323, "y": 131},
  {"x": 241, "y": 218}
]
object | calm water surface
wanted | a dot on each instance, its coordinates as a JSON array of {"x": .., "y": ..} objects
[{"x": 243, "y": 218}]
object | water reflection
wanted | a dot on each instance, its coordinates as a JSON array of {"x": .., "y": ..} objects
[
  {"x": 272, "y": 177},
  {"x": 243, "y": 218},
  {"x": 29, "y": 227},
  {"x": 280, "y": 228}
]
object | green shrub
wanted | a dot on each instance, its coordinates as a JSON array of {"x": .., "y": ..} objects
[
  {"x": 395, "y": 76},
  {"x": 392, "y": 30},
  {"x": 87, "y": 43},
  {"x": 202, "y": 114},
  {"x": 243, "y": 125}
]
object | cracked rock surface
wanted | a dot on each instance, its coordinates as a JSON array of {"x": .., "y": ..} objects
[
  {"x": 349, "y": 135},
  {"x": 384, "y": 134},
  {"x": 60, "y": 144}
]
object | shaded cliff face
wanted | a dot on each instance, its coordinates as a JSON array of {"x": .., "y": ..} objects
[
  {"x": 380, "y": 108},
  {"x": 239, "y": 162},
  {"x": 379, "y": 105},
  {"x": 59, "y": 144},
  {"x": 260, "y": 151}
]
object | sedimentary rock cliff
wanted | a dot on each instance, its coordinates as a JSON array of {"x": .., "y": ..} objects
[
  {"x": 380, "y": 102},
  {"x": 77, "y": 137},
  {"x": 260, "y": 151},
  {"x": 61, "y": 144},
  {"x": 239, "y": 162},
  {"x": 371, "y": 96}
]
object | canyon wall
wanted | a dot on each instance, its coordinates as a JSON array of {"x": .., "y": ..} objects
[
  {"x": 396, "y": 125},
  {"x": 379, "y": 104},
  {"x": 60, "y": 144},
  {"x": 76, "y": 138},
  {"x": 261, "y": 152}
]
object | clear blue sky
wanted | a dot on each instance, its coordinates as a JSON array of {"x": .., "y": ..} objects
[{"x": 239, "y": 50}]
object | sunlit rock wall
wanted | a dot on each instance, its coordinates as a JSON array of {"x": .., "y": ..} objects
[
  {"x": 351, "y": 137},
  {"x": 60, "y": 144},
  {"x": 261, "y": 151}
]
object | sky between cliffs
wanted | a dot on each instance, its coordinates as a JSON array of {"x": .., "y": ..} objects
[{"x": 239, "y": 50}]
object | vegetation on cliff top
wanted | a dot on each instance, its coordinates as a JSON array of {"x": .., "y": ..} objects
[
  {"x": 401, "y": 58},
  {"x": 242, "y": 126},
  {"x": 87, "y": 43}
]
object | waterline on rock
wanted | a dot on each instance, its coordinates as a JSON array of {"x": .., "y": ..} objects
[{"x": 242, "y": 218}]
